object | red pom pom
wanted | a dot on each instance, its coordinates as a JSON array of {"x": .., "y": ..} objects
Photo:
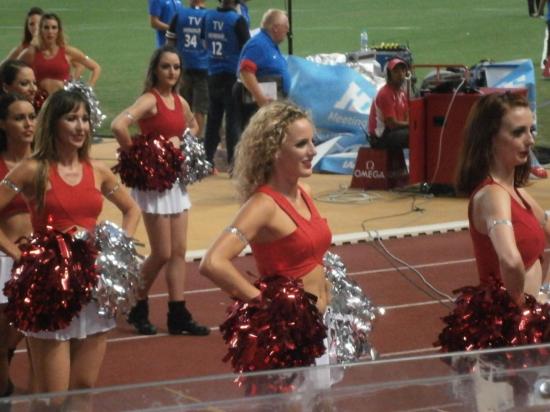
[
  {"x": 151, "y": 163},
  {"x": 487, "y": 317},
  {"x": 51, "y": 282},
  {"x": 282, "y": 330},
  {"x": 39, "y": 98}
]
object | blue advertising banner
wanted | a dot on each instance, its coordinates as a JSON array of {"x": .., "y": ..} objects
[
  {"x": 513, "y": 73},
  {"x": 338, "y": 99}
]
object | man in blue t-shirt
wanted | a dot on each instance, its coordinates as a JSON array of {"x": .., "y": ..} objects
[
  {"x": 161, "y": 13},
  {"x": 263, "y": 70},
  {"x": 224, "y": 32},
  {"x": 185, "y": 34}
]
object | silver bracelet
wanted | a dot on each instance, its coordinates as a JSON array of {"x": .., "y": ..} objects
[
  {"x": 235, "y": 231},
  {"x": 130, "y": 116},
  {"x": 11, "y": 185},
  {"x": 496, "y": 222},
  {"x": 113, "y": 190}
]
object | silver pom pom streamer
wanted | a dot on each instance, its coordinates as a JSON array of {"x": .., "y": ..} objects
[
  {"x": 96, "y": 115},
  {"x": 350, "y": 315},
  {"x": 544, "y": 292},
  {"x": 118, "y": 266},
  {"x": 195, "y": 166}
]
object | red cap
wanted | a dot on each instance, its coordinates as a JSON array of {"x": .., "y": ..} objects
[{"x": 394, "y": 62}]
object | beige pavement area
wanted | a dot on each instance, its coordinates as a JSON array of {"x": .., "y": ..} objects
[{"x": 347, "y": 211}]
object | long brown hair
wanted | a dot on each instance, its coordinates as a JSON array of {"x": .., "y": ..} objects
[
  {"x": 61, "y": 40},
  {"x": 151, "y": 79},
  {"x": 6, "y": 100},
  {"x": 482, "y": 125},
  {"x": 45, "y": 143},
  {"x": 27, "y": 35}
]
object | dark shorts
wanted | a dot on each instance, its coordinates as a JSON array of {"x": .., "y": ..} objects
[{"x": 194, "y": 90}]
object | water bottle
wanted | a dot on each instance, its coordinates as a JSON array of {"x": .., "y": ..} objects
[{"x": 364, "y": 40}]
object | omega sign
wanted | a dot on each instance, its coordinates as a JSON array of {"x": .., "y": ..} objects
[
  {"x": 370, "y": 171},
  {"x": 379, "y": 169}
]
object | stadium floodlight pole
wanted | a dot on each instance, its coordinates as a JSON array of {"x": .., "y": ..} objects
[{"x": 289, "y": 35}]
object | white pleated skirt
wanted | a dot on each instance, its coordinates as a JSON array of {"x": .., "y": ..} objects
[
  {"x": 172, "y": 201},
  {"x": 6, "y": 264},
  {"x": 86, "y": 323}
]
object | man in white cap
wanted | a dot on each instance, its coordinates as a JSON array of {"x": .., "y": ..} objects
[{"x": 389, "y": 113}]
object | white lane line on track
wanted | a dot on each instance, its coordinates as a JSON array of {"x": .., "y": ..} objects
[{"x": 359, "y": 273}]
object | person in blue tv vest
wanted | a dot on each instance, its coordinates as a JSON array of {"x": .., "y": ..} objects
[
  {"x": 225, "y": 32},
  {"x": 184, "y": 33}
]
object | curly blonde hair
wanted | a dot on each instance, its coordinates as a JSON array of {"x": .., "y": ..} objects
[{"x": 259, "y": 143}]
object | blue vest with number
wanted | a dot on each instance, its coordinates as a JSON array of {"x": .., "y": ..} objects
[
  {"x": 189, "y": 43},
  {"x": 222, "y": 43}
]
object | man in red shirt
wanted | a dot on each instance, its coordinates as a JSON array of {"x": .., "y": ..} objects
[{"x": 389, "y": 113}]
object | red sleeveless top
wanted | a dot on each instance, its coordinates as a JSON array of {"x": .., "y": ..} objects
[
  {"x": 297, "y": 254},
  {"x": 67, "y": 205},
  {"x": 18, "y": 204},
  {"x": 166, "y": 122},
  {"x": 529, "y": 235},
  {"x": 56, "y": 68}
]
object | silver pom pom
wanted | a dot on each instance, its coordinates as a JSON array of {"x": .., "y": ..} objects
[
  {"x": 96, "y": 115},
  {"x": 349, "y": 316},
  {"x": 118, "y": 266},
  {"x": 195, "y": 166}
]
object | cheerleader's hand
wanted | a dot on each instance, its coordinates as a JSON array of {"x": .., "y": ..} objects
[
  {"x": 175, "y": 140},
  {"x": 14, "y": 253},
  {"x": 16, "y": 256},
  {"x": 519, "y": 300}
]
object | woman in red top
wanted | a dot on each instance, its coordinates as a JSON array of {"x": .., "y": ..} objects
[
  {"x": 275, "y": 151},
  {"x": 161, "y": 110},
  {"x": 51, "y": 58},
  {"x": 288, "y": 238},
  {"x": 17, "y": 123},
  {"x": 62, "y": 182},
  {"x": 508, "y": 227},
  {"x": 30, "y": 29}
]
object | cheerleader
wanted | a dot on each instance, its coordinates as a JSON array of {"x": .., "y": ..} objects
[
  {"x": 64, "y": 189},
  {"x": 509, "y": 232},
  {"x": 508, "y": 227},
  {"x": 160, "y": 110},
  {"x": 17, "y": 123},
  {"x": 287, "y": 235},
  {"x": 51, "y": 58},
  {"x": 17, "y": 77},
  {"x": 30, "y": 29}
]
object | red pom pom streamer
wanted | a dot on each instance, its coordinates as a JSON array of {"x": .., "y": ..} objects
[
  {"x": 486, "y": 317},
  {"x": 39, "y": 98},
  {"x": 51, "y": 282},
  {"x": 151, "y": 163},
  {"x": 283, "y": 329}
]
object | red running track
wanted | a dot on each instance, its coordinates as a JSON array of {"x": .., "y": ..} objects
[{"x": 409, "y": 327}]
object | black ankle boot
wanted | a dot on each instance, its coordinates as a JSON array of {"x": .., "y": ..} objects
[
  {"x": 11, "y": 352},
  {"x": 139, "y": 318},
  {"x": 181, "y": 322},
  {"x": 9, "y": 390}
]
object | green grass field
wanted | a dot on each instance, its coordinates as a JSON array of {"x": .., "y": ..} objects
[{"x": 118, "y": 36}]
